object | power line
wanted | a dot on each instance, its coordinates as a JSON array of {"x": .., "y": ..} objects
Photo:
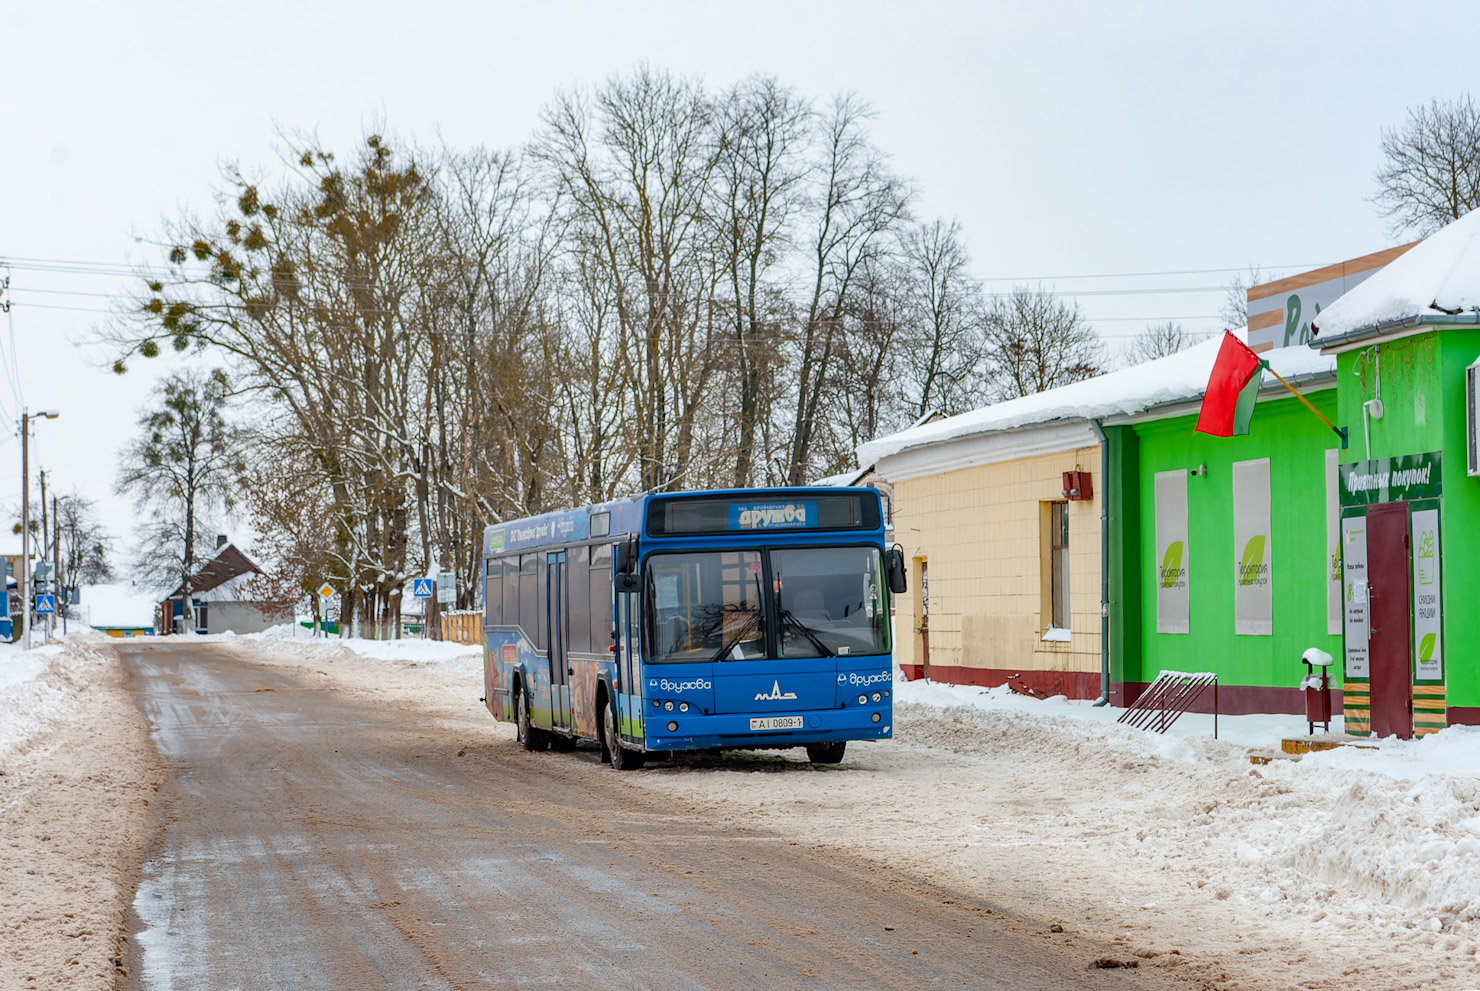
[
  {"x": 125, "y": 268},
  {"x": 1142, "y": 275}
]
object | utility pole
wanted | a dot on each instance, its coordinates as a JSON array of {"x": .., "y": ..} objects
[
  {"x": 49, "y": 414},
  {"x": 45, "y": 546},
  {"x": 25, "y": 568},
  {"x": 56, "y": 565}
]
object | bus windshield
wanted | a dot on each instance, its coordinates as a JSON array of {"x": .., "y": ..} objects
[
  {"x": 830, "y": 601},
  {"x": 712, "y": 606},
  {"x": 705, "y": 606}
]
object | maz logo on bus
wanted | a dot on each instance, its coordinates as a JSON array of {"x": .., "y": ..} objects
[
  {"x": 858, "y": 679},
  {"x": 679, "y": 687},
  {"x": 771, "y": 515},
  {"x": 776, "y": 694}
]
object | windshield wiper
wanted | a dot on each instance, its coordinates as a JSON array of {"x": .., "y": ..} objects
[
  {"x": 730, "y": 644},
  {"x": 822, "y": 648}
]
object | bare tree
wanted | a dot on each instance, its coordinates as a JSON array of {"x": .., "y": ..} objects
[
  {"x": 858, "y": 199},
  {"x": 86, "y": 544},
  {"x": 1037, "y": 341},
  {"x": 1430, "y": 173},
  {"x": 1235, "y": 309},
  {"x": 1159, "y": 340},
  {"x": 945, "y": 352},
  {"x": 758, "y": 185},
  {"x": 630, "y": 163},
  {"x": 187, "y": 463}
]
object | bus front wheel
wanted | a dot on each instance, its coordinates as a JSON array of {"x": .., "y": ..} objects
[
  {"x": 622, "y": 758},
  {"x": 826, "y": 753}
]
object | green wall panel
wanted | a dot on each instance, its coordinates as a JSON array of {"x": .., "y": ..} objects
[{"x": 1295, "y": 441}]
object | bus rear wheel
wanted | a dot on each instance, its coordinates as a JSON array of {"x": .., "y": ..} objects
[
  {"x": 826, "y": 753},
  {"x": 523, "y": 731},
  {"x": 622, "y": 758}
]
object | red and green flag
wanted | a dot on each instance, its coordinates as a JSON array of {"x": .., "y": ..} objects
[{"x": 1228, "y": 405}]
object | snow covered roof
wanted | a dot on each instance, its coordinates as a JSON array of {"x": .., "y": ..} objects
[
  {"x": 117, "y": 605},
  {"x": 1439, "y": 277},
  {"x": 1125, "y": 392},
  {"x": 227, "y": 563},
  {"x": 846, "y": 479}
]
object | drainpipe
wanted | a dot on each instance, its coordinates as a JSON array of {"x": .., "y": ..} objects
[{"x": 1104, "y": 698}]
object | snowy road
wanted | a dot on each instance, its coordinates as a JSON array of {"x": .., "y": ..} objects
[{"x": 307, "y": 840}]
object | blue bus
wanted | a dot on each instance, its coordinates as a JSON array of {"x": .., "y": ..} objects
[{"x": 753, "y": 618}]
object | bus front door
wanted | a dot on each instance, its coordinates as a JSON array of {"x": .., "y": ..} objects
[{"x": 559, "y": 662}]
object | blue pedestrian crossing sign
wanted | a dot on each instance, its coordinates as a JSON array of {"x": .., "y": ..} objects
[
  {"x": 46, "y": 604},
  {"x": 421, "y": 588}
]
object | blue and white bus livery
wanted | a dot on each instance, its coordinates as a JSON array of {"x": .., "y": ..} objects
[{"x": 754, "y": 619}]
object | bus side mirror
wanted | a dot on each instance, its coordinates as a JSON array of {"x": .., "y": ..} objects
[
  {"x": 894, "y": 564},
  {"x": 626, "y": 566}
]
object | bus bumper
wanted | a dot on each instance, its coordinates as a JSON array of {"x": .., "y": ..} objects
[{"x": 703, "y": 732}]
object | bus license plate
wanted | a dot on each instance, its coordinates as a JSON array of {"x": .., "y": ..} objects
[{"x": 776, "y": 722}]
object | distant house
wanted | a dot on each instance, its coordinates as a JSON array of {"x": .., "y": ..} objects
[
  {"x": 220, "y": 599},
  {"x": 119, "y": 610}
]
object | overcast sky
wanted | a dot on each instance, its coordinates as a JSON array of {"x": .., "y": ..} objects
[{"x": 1070, "y": 140}]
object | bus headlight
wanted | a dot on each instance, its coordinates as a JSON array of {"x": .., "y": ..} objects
[
  {"x": 667, "y": 706},
  {"x": 876, "y": 717},
  {"x": 876, "y": 696},
  {"x": 673, "y": 727},
  {"x": 683, "y": 707},
  {"x": 863, "y": 700}
]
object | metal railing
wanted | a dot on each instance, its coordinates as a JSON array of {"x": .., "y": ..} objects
[{"x": 1166, "y": 698}]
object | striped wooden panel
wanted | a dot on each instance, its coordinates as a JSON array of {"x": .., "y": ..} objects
[
  {"x": 1357, "y": 707},
  {"x": 1429, "y": 709}
]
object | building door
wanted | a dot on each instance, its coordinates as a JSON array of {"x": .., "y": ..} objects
[
  {"x": 922, "y": 582},
  {"x": 1390, "y": 647},
  {"x": 559, "y": 663}
]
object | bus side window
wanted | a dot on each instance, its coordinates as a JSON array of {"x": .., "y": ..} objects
[
  {"x": 528, "y": 601},
  {"x": 510, "y": 566},
  {"x": 634, "y": 642},
  {"x": 602, "y": 623},
  {"x": 541, "y": 627},
  {"x": 493, "y": 592},
  {"x": 578, "y": 602}
]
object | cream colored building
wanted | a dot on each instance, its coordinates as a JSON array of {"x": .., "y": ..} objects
[{"x": 1005, "y": 584}]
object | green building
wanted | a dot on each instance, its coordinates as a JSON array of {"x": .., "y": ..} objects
[
  {"x": 1292, "y": 537},
  {"x": 1406, "y": 344},
  {"x": 1221, "y": 556},
  {"x": 1349, "y": 524}
]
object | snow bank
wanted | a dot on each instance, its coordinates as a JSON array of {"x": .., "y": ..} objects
[
  {"x": 1241, "y": 732},
  {"x": 295, "y": 641},
  {"x": 1385, "y": 838},
  {"x": 16, "y": 667},
  {"x": 1440, "y": 275},
  {"x": 40, "y": 687},
  {"x": 1176, "y": 378}
]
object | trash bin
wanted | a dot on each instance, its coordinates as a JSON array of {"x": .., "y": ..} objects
[{"x": 1317, "y": 690}]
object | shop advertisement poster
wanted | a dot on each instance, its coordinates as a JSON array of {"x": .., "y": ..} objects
[
  {"x": 1333, "y": 543},
  {"x": 1172, "y": 614},
  {"x": 1354, "y": 574},
  {"x": 1428, "y": 645},
  {"x": 1253, "y": 567}
]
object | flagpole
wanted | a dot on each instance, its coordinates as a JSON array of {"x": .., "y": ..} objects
[{"x": 1338, "y": 431}]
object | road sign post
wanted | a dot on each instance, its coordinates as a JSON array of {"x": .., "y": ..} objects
[{"x": 326, "y": 595}]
